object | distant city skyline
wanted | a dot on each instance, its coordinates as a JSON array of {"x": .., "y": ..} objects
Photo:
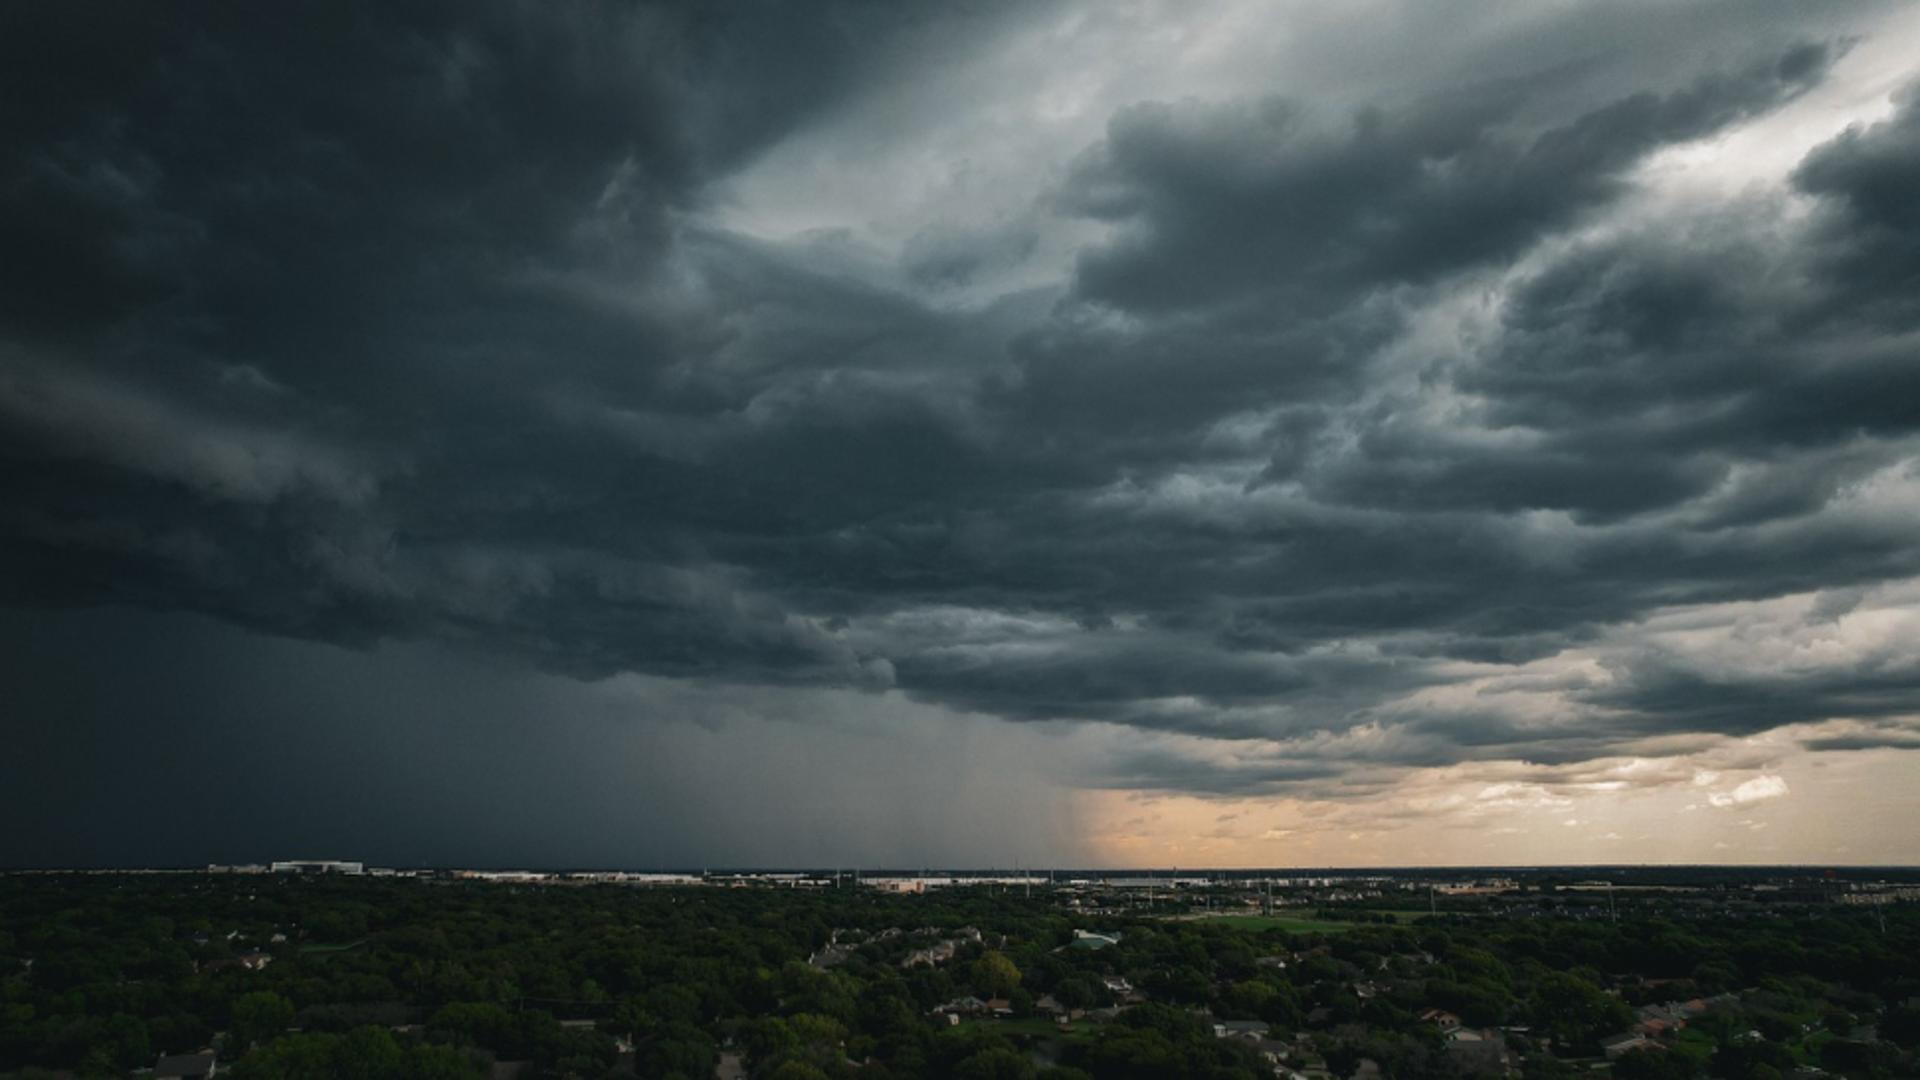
[{"x": 1061, "y": 433}]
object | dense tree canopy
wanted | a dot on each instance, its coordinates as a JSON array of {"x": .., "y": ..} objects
[{"x": 441, "y": 978}]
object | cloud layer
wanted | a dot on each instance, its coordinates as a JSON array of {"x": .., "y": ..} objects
[{"x": 1292, "y": 406}]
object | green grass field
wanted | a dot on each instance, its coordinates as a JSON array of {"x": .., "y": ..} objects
[{"x": 1257, "y": 923}]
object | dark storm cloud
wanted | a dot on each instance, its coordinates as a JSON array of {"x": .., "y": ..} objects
[
  {"x": 1655, "y": 694},
  {"x": 1870, "y": 739},
  {"x": 439, "y": 323},
  {"x": 1219, "y": 201},
  {"x": 1874, "y": 240},
  {"x": 1170, "y": 771},
  {"x": 366, "y": 210},
  {"x": 1695, "y": 348}
]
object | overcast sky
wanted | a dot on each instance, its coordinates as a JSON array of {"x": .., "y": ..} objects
[{"x": 1237, "y": 433}]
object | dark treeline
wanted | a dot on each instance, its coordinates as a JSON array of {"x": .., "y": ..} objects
[{"x": 312, "y": 977}]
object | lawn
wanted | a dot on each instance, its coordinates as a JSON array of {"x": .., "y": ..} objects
[{"x": 1257, "y": 923}]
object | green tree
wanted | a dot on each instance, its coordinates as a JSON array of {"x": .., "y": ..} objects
[
  {"x": 995, "y": 974},
  {"x": 1575, "y": 1011},
  {"x": 996, "y": 1063},
  {"x": 260, "y": 1016},
  {"x": 1901, "y": 1024},
  {"x": 124, "y": 1039},
  {"x": 366, "y": 1053},
  {"x": 796, "y": 1070},
  {"x": 1649, "y": 1064},
  {"x": 676, "y": 1050}
]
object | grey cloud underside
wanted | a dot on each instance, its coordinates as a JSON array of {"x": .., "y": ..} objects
[
  {"x": 421, "y": 325},
  {"x": 1218, "y": 202}
]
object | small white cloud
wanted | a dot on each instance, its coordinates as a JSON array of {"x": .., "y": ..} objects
[{"x": 1758, "y": 789}]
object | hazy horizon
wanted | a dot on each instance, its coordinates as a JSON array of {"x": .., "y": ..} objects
[{"x": 935, "y": 869}]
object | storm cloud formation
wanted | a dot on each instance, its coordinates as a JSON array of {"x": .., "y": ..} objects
[{"x": 1294, "y": 401}]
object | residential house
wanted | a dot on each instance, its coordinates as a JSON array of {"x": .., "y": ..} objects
[
  {"x": 1479, "y": 1052},
  {"x": 1227, "y": 1029},
  {"x": 185, "y": 1066},
  {"x": 962, "y": 1006},
  {"x": 1625, "y": 1042},
  {"x": 1087, "y": 939}
]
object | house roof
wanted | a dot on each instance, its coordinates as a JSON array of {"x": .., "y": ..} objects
[
  {"x": 1625, "y": 1038},
  {"x": 183, "y": 1065}
]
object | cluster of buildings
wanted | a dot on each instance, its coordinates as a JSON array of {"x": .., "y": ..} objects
[
  {"x": 968, "y": 1005},
  {"x": 1658, "y": 1023},
  {"x": 295, "y": 866},
  {"x": 1094, "y": 940},
  {"x": 942, "y": 951},
  {"x": 1880, "y": 893}
]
